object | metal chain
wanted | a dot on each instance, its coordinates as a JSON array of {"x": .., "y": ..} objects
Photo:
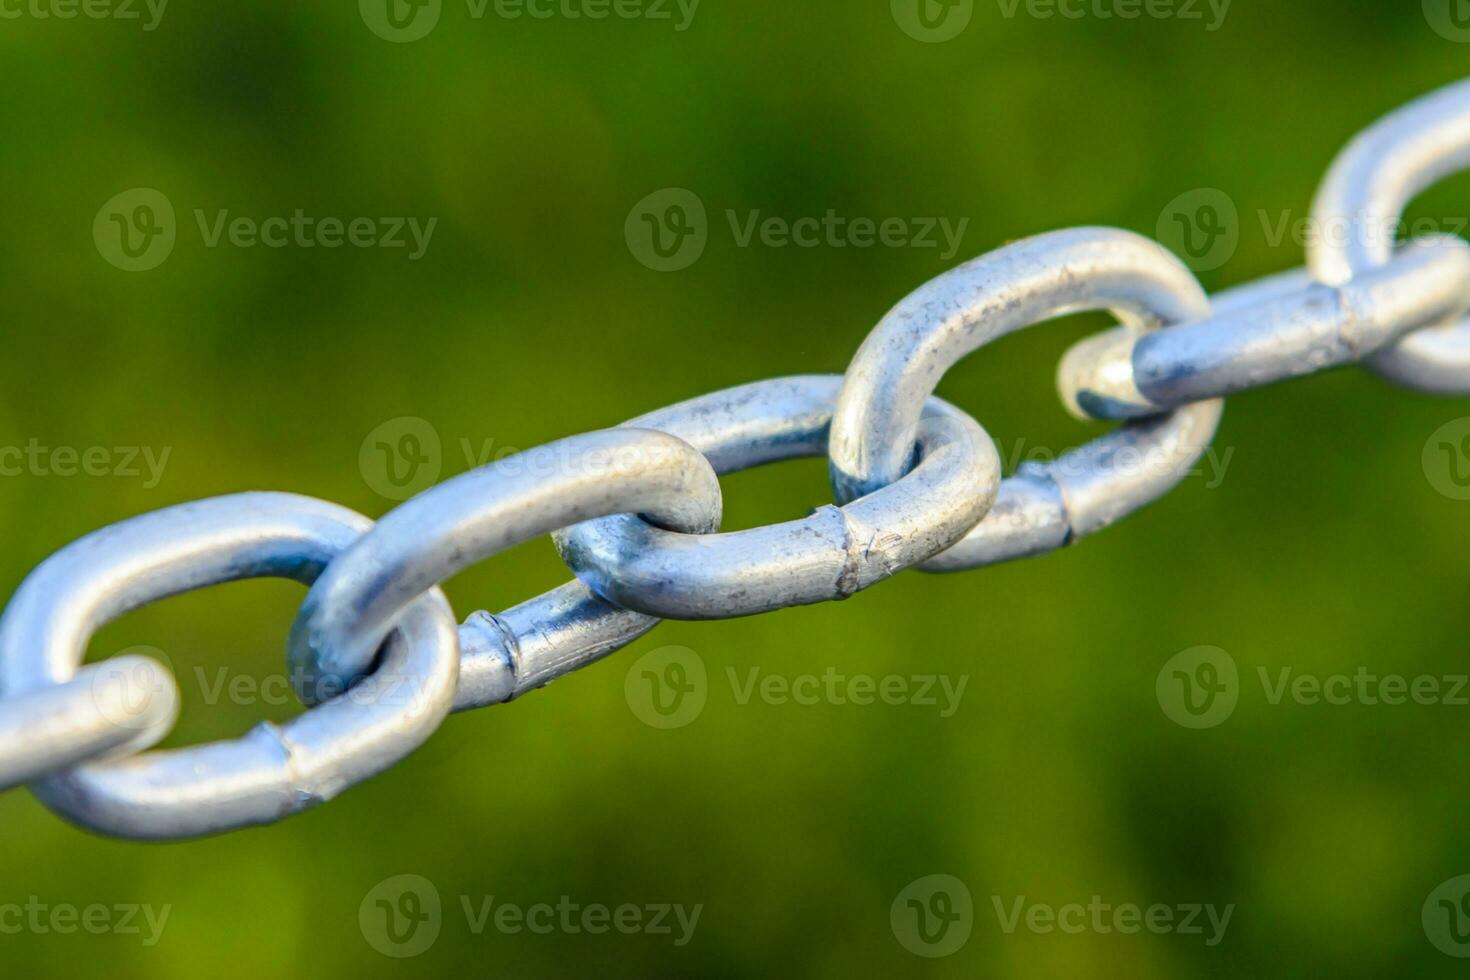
[{"x": 635, "y": 511}]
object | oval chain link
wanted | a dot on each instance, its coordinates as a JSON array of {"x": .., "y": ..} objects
[
  {"x": 351, "y": 610},
  {"x": 1043, "y": 507},
  {"x": 1368, "y": 301},
  {"x": 1365, "y": 193},
  {"x": 831, "y": 554},
  {"x": 275, "y": 770}
]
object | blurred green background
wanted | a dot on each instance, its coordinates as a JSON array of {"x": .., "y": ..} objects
[{"x": 1326, "y": 548}]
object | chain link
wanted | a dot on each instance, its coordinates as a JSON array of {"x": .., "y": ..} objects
[
  {"x": 275, "y": 770},
  {"x": 832, "y": 554},
  {"x": 1012, "y": 288},
  {"x": 635, "y": 511},
  {"x": 1400, "y": 310},
  {"x": 1259, "y": 334},
  {"x": 1366, "y": 191}
]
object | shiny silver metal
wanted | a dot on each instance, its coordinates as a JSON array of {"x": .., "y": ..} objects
[
  {"x": 505, "y": 655},
  {"x": 352, "y": 608},
  {"x": 830, "y": 554},
  {"x": 113, "y": 708},
  {"x": 1278, "y": 329},
  {"x": 1042, "y": 507},
  {"x": 1357, "y": 214},
  {"x": 275, "y": 770}
]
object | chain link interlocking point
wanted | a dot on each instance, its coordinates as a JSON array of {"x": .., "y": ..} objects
[{"x": 635, "y": 511}]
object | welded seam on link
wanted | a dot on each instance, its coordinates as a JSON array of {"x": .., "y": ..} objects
[
  {"x": 508, "y": 650},
  {"x": 1351, "y": 322},
  {"x": 854, "y": 555},
  {"x": 296, "y": 787},
  {"x": 1044, "y": 473}
]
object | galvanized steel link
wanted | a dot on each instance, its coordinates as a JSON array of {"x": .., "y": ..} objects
[
  {"x": 1365, "y": 193},
  {"x": 351, "y": 609},
  {"x": 109, "y": 709},
  {"x": 273, "y": 771},
  {"x": 1376, "y": 303},
  {"x": 1260, "y": 334},
  {"x": 1042, "y": 507},
  {"x": 831, "y": 554},
  {"x": 504, "y": 655}
]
